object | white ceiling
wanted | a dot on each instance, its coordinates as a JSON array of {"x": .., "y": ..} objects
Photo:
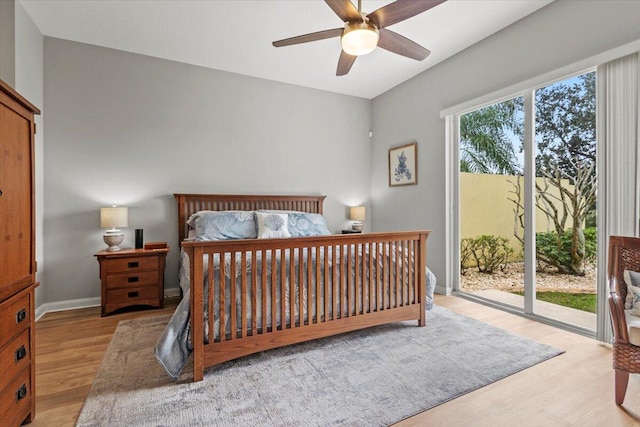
[{"x": 236, "y": 35}]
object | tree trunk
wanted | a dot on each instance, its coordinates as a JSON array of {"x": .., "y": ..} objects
[{"x": 578, "y": 251}]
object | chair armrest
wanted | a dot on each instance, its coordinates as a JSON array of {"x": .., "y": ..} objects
[{"x": 618, "y": 320}]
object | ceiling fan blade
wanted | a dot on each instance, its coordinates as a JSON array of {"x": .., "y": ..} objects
[
  {"x": 311, "y": 37},
  {"x": 345, "y": 10},
  {"x": 400, "y": 10},
  {"x": 394, "y": 42},
  {"x": 344, "y": 63}
]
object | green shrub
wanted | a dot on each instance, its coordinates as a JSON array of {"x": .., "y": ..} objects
[
  {"x": 465, "y": 254},
  {"x": 558, "y": 249},
  {"x": 485, "y": 252}
]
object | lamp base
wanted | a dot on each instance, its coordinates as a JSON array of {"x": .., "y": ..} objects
[
  {"x": 113, "y": 240},
  {"x": 358, "y": 226}
]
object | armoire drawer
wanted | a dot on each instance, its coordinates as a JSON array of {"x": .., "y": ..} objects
[
  {"x": 16, "y": 399},
  {"x": 15, "y": 316},
  {"x": 14, "y": 356}
]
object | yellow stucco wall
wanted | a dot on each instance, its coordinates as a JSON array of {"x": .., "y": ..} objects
[{"x": 485, "y": 208}]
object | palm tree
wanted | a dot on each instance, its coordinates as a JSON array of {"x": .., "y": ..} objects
[{"x": 486, "y": 138}]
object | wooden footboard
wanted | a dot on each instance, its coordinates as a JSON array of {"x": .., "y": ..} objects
[{"x": 334, "y": 284}]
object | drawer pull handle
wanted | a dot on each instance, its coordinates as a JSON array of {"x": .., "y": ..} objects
[
  {"x": 21, "y": 393},
  {"x": 133, "y": 279},
  {"x": 21, "y": 353},
  {"x": 133, "y": 294},
  {"x": 21, "y": 315},
  {"x": 133, "y": 264}
]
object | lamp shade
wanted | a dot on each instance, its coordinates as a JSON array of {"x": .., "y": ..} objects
[
  {"x": 357, "y": 213},
  {"x": 111, "y": 217}
]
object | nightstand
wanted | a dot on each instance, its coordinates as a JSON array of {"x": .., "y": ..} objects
[
  {"x": 351, "y": 231},
  {"x": 132, "y": 277}
]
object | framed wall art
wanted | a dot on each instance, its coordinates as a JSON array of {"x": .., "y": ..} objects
[{"x": 403, "y": 165}]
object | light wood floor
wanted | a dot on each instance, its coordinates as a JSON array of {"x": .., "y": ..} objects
[{"x": 574, "y": 389}]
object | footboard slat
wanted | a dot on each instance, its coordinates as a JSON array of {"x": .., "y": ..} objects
[
  {"x": 334, "y": 293},
  {"x": 233, "y": 330},
  {"x": 326, "y": 285},
  {"x": 254, "y": 294},
  {"x": 318, "y": 290},
  {"x": 349, "y": 279},
  {"x": 292, "y": 291},
  {"x": 309, "y": 288},
  {"x": 210, "y": 280},
  {"x": 283, "y": 290},
  {"x": 222, "y": 300},
  {"x": 263, "y": 287},
  {"x": 274, "y": 306},
  {"x": 357, "y": 280},
  {"x": 244, "y": 315}
]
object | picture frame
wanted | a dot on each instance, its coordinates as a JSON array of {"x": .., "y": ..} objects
[{"x": 403, "y": 165}]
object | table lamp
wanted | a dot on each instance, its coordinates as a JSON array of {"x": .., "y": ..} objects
[
  {"x": 357, "y": 214},
  {"x": 112, "y": 217}
]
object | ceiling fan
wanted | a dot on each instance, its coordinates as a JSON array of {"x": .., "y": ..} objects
[{"x": 362, "y": 33}]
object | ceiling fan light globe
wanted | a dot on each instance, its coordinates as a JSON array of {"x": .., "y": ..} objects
[{"x": 359, "y": 38}]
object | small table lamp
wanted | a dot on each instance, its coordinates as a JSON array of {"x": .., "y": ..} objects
[
  {"x": 357, "y": 214},
  {"x": 114, "y": 217}
]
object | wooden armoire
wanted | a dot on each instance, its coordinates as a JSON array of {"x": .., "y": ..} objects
[{"x": 17, "y": 258}]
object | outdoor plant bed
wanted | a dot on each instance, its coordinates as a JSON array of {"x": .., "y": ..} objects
[{"x": 512, "y": 280}]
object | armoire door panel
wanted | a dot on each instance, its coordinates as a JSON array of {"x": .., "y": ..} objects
[{"x": 15, "y": 200}]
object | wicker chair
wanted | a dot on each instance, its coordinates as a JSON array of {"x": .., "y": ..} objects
[{"x": 624, "y": 254}]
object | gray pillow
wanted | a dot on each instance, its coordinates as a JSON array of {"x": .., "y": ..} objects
[
  {"x": 225, "y": 225},
  {"x": 632, "y": 280}
]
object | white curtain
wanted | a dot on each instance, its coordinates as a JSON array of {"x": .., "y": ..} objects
[{"x": 618, "y": 129}]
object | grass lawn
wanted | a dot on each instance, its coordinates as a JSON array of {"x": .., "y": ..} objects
[{"x": 584, "y": 302}]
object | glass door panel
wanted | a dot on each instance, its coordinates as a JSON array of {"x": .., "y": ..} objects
[
  {"x": 491, "y": 166},
  {"x": 565, "y": 198}
]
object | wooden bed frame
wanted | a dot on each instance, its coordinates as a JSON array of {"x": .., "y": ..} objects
[{"x": 395, "y": 283}]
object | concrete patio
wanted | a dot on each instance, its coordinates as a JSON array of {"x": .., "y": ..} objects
[{"x": 569, "y": 315}]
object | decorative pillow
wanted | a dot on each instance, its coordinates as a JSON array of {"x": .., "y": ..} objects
[
  {"x": 632, "y": 302},
  {"x": 272, "y": 225},
  {"x": 304, "y": 224},
  {"x": 225, "y": 225},
  {"x": 191, "y": 222}
]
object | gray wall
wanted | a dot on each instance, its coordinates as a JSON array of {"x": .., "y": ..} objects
[
  {"x": 559, "y": 34},
  {"x": 7, "y": 42},
  {"x": 129, "y": 129}
]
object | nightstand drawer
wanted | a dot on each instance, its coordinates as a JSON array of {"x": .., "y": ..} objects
[
  {"x": 132, "y": 295},
  {"x": 15, "y": 316},
  {"x": 131, "y": 280},
  {"x": 131, "y": 264},
  {"x": 14, "y": 357},
  {"x": 16, "y": 402}
]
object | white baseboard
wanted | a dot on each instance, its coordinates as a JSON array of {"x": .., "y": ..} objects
[
  {"x": 171, "y": 292},
  {"x": 74, "y": 304}
]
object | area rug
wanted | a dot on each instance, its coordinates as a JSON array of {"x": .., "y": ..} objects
[{"x": 374, "y": 377}]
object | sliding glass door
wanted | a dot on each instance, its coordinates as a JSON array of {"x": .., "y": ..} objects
[{"x": 527, "y": 201}]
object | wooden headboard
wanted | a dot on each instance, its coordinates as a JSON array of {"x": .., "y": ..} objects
[{"x": 189, "y": 204}]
